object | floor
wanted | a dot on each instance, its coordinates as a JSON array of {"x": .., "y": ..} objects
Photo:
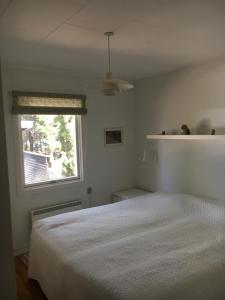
[{"x": 27, "y": 289}]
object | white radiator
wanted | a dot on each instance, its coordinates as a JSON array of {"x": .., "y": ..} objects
[{"x": 49, "y": 211}]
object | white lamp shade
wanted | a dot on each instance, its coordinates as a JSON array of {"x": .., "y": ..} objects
[{"x": 111, "y": 86}]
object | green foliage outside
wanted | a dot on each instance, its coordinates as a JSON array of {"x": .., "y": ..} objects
[{"x": 51, "y": 135}]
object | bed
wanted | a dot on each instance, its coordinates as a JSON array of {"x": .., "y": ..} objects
[{"x": 156, "y": 247}]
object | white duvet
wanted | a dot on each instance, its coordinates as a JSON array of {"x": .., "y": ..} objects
[{"x": 156, "y": 247}]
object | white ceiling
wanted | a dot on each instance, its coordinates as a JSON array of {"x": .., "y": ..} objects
[{"x": 151, "y": 36}]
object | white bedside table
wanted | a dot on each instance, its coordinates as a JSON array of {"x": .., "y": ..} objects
[{"x": 128, "y": 194}]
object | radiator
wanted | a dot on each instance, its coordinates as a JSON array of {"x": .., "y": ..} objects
[{"x": 49, "y": 211}]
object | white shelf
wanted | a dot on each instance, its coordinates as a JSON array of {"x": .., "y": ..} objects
[{"x": 185, "y": 137}]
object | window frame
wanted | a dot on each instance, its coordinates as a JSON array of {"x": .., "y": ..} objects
[{"x": 49, "y": 184}]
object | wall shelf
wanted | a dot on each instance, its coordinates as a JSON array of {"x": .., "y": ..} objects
[{"x": 185, "y": 137}]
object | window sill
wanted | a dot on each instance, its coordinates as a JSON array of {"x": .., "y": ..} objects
[{"x": 48, "y": 187}]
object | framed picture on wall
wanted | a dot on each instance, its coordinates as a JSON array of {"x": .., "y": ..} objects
[{"x": 113, "y": 136}]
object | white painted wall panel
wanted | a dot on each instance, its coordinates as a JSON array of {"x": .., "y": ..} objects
[
  {"x": 106, "y": 169},
  {"x": 195, "y": 96}
]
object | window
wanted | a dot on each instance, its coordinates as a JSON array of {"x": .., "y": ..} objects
[
  {"x": 49, "y": 148},
  {"x": 50, "y": 140}
]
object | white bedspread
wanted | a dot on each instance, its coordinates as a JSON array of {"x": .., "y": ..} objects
[{"x": 156, "y": 247}]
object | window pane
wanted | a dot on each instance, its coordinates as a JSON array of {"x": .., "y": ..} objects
[{"x": 49, "y": 147}]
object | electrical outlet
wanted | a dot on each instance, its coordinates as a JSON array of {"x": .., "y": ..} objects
[{"x": 89, "y": 190}]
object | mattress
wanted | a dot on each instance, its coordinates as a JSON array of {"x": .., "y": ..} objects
[{"x": 156, "y": 247}]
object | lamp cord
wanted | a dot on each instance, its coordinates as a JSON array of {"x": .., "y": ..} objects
[{"x": 109, "y": 60}]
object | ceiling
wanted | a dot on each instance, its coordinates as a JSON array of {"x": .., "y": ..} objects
[{"x": 151, "y": 36}]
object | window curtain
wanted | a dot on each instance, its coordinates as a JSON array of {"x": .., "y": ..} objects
[{"x": 48, "y": 103}]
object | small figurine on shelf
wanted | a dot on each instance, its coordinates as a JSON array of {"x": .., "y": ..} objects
[
  {"x": 185, "y": 130},
  {"x": 163, "y": 132},
  {"x": 213, "y": 131}
]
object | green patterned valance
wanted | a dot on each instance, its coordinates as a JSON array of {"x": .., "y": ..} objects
[{"x": 48, "y": 103}]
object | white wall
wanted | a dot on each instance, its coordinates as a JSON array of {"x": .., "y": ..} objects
[
  {"x": 107, "y": 169},
  {"x": 195, "y": 96}
]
